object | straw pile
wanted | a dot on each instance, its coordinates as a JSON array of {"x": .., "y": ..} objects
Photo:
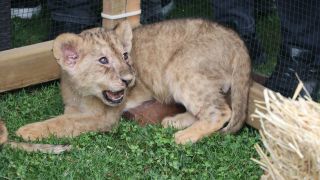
[{"x": 290, "y": 132}]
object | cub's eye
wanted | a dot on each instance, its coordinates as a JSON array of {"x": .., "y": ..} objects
[
  {"x": 125, "y": 56},
  {"x": 104, "y": 60}
]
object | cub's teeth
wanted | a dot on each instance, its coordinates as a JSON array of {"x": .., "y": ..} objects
[{"x": 119, "y": 98}]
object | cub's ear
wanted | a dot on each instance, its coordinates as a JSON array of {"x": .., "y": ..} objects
[
  {"x": 66, "y": 49},
  {"x": 124, "y": 32}
]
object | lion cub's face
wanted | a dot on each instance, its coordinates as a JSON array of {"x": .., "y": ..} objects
[{"x": 98, "y": 62}]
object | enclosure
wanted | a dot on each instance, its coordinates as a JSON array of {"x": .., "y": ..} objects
[{"x": 29, "y": 85}]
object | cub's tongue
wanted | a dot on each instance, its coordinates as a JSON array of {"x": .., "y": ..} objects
[{"x": 115, "y": 95}]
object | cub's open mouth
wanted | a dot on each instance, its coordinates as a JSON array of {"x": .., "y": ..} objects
[{"x": 113, "y": 97}]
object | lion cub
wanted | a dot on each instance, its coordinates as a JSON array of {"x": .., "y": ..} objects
[{"x": 192, "y": 61}]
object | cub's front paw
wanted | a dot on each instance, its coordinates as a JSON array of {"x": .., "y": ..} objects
[
  {"x": 178, "y": 122},
  {"x": 185, "y": 136},
  {"x": 33, "y": 131},
  {"x": 170, "y": 122}
]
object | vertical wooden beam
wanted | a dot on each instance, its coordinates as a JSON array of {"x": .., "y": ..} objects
[
  {"x": 134, "y": 5},
  {"x": 112, "y": 7},
  {"x": 117, "y": 7}
]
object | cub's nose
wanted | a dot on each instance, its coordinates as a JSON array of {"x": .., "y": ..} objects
[
  {"x": 127, "y": 82},
  {"x": 127, "y": 79}
]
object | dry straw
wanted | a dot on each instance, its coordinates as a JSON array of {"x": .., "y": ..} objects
[{"x": 290, "y": 132}]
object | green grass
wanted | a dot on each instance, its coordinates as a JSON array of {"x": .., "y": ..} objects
[{"x": 130, "y": 151}]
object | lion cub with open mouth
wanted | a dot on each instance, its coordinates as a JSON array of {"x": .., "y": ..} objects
[{"x": 193, "y": 62}]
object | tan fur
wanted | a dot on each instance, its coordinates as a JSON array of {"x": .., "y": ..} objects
[
  {"x": 192, "y": 61},
  {"x": 179, "y": 121},
  {"x": 45, "y": 148},
  {"x": 3, "y": 133}
]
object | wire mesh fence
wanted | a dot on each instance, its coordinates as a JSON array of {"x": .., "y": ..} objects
[
  {"x": 282, "y": 36},
  {"x": 25, "y": 22}
]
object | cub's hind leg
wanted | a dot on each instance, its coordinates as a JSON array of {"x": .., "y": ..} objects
[
  {"x": 179, "y": 121},
  {"x": 211, "y": 119},
  {"x": 206, "y": 103}
]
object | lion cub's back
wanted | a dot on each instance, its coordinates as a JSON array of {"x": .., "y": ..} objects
[
  {"x": 156, "y": 43},
  {"x": 206, "y": 42}
]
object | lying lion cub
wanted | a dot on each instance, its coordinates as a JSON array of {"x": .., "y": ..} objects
[{"x": 191, "y": 61}]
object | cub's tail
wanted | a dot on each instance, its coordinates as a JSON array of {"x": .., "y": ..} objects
[
  {"x": 3, "y": 133},
  {"x": 240, "y": 85},
  {"x": 44, "y": 148}
]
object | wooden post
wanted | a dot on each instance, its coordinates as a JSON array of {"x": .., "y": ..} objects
[
  {"x": 29, "y": 65},
  {"x": 255, "y": 94},
  {"x": 134, "y": 5},
  {"x": 118, "y": 7}
]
